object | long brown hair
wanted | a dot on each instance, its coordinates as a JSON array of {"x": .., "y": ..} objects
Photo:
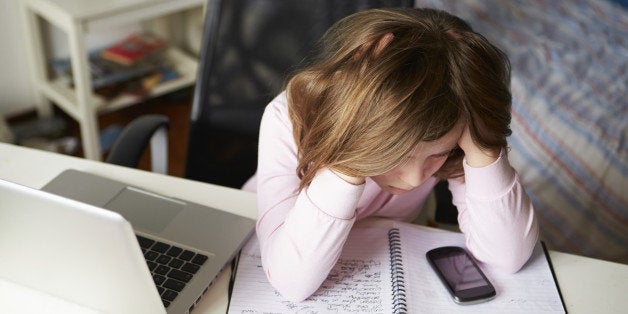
[{"x": 360, "y": 110}]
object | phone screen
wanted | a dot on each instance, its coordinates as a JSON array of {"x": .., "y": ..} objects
[{"x": 458, "y": 271}]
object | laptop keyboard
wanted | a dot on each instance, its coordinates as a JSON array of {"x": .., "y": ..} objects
[{"x": 171, "y": 267}]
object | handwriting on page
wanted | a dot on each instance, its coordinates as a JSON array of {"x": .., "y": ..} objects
[
  {"x": 353, "y": 286},
  {"x": 358, "y": 283}
]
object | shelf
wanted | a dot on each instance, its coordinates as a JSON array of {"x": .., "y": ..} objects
[
  {"x": 99, "y": 15},
  {"x": 59, "y": 91},
  {"x": 78, "y": 17}
]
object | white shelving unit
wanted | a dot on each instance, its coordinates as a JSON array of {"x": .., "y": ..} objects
[{"x": 76, "y": 18}]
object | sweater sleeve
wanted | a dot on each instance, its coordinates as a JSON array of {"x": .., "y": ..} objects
[
  {"x": 301, "y": 233},
  {"x": 495, "y": 214}
]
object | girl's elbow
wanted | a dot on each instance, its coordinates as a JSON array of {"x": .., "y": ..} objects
[
  {"x": 516, "y": 260},
  {"x": 512, "y": 266},
  {"x": 294, "y": 281},
  {"x": 293, "y": 288},
  {"x": 296, "y": 295}
]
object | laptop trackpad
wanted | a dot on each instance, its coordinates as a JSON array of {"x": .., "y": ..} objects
[{"x": 145, "y": 210}]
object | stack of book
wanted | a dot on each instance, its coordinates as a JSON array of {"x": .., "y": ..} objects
[{"x": 133, "y": 65}]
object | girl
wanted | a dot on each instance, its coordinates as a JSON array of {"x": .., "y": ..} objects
[{"x": 397, "y": 100}]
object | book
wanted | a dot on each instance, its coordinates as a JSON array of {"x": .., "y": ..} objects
[
  {"x": 383, "y": 269},
  {"x": 133, "y": 48},
  {"x": 105, "y": 72}
]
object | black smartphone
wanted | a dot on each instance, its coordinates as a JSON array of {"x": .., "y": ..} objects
[{"x": 460, "y": 275}]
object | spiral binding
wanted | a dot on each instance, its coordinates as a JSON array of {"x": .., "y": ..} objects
[{"x": 397, "y": 278}]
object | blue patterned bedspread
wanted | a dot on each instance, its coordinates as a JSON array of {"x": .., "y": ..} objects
[{"x": 570, "y": 113}]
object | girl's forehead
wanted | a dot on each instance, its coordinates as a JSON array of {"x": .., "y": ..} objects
[{"x": 442, "y": 145}]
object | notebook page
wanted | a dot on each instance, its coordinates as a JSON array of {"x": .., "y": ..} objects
[
  {"x": 358, "y": 283},
  {"x": 531, "y": 290}
]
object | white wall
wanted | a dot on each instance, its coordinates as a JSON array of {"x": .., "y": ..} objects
[{"x": 15, "y": 89}]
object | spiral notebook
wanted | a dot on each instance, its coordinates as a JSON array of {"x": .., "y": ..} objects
[{"x": 383, "y": 270}]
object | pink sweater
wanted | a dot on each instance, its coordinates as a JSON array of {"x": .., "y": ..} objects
[{"x": 302, "y": 233}]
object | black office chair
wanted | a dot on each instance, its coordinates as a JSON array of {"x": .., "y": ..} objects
[{"x": 248, "y": 49}]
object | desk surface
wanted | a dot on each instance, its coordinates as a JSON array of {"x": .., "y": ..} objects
[{"x": 588, "y": 285}]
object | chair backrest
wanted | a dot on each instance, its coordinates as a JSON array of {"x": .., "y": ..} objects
[{"x": 248, "y": 49}]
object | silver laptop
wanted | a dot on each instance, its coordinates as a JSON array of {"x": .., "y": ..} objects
[{"x": 144, "y": 253}]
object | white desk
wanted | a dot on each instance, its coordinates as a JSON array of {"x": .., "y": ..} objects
[{"x": 588, "y": 285}]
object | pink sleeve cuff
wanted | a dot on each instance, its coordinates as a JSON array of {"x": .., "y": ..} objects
[
  {"x": 489, "y": 182},
  {"x": 333, "y": 195}
]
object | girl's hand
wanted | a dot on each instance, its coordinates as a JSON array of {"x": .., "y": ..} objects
[{"x": 477, "y": 157}]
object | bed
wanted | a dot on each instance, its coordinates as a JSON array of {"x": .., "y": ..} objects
[{"x": 569, "y": 115}]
